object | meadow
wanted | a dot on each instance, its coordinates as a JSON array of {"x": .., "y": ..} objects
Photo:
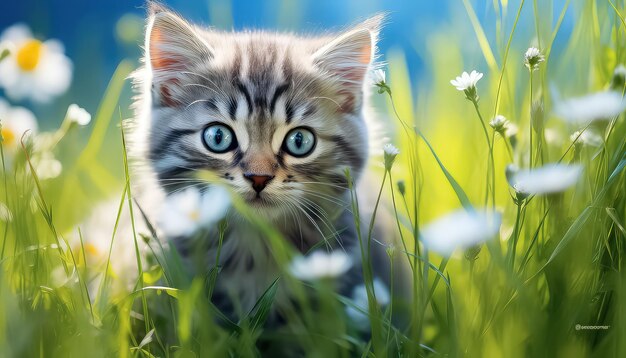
[{"x": 507, "y": 187}]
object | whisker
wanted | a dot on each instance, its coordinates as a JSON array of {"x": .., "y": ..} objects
[
  {"x": 201, "y": 76},
  {"x": 326, "y": 221},
  {"x": 332, "y": 100},
  {"x": 322, "y": 183},
  {"x": 201, "y": 86},
  {"x": 326, "y": 197},
  {"x": 197, "y": 101}
]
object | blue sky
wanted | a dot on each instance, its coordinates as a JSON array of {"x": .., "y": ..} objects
[{"x": 87, "y": 28}]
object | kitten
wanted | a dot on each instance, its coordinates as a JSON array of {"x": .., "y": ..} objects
[{"x": 279, "y": 118}]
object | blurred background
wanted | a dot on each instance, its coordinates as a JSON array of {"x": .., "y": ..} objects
[{"x": 98, "y": 35}]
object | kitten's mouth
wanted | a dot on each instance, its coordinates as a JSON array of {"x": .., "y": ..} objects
[{"x": 258, "y": 199}]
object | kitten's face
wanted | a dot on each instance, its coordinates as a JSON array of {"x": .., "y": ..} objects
[{"x": 277, "y": 117}]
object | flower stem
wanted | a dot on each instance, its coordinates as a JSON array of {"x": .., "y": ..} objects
[
  {"x": 508, "y": 148},
  {"x": 391, "y": 274},
  {"x": 530, "y": 123},
  {"x": 6, "y": 195},
  {"x": 367, "y": 269},
  {"x": 373, "y": 218},
  {"x": 215, "y": 271},
  {"x": 395, "y": 210},
  {"x": 490, "y": 161},
  {"x": 515, "y": 235}
]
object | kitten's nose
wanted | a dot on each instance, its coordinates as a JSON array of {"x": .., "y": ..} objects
[{"x": 258, "y": 181}]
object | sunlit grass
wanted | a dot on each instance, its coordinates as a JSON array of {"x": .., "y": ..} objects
[{"x": 554, "y": 269}]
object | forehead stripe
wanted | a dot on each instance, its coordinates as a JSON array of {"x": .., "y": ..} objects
[
  {"x": 289, "y": 112},
  {"x": 244, "y": 90},
  {"x": 232, "y": 108},
  {"x": 280, "y": 90}
]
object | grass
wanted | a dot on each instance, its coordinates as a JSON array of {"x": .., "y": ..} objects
[{"x": 555, "y": 269}]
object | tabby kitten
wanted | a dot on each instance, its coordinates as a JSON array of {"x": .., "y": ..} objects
[{"x": 278, "y": 117}]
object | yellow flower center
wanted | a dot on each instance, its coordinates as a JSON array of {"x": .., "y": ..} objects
[
  {"x": 29, "y": 54},
  {"x": 91, "y": 249},
  {"x": 194, "y": 215},
  {"x": 8, "y": 137}
]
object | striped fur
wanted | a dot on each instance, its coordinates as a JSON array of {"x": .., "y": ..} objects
[{"x": 262, "y": 85}]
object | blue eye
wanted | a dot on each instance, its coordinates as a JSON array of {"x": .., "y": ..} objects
[
  {"x": 299, "y": 142},
  {"x": 219, "y": 138}
]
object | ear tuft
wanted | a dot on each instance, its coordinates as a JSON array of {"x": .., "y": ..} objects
[
  {"x": 349, "y": 56},
  {"x": 155, "y": 7},
  {"x": 173, "y": 44}
]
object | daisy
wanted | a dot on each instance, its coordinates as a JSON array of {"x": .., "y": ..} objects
[
  {"x": 467, "y": 80},
  {"x": 78, "y": 115},
  {"x": 532, "y": 58},
  {"x": 186, "y": 212},
  {"x": 499, "y": 123},
  {"x": 379, "y": 77},
  {"x": 47, "y": 166},
  {"x": 551, "y": 178},
  {"x": 587, "y": 137},
  {"x": 592, "y": 107},
  {"x": 467, "y": 84},
  {"x": 460, "y": 229},
  {"x": 390, "y": 153},
  {"x": 15, "y": 122},
  {"x": 511, "y": 130},
  {"x": 359, "y": 299},
  {"x": 320, "y": 265},
  {"x": 34, "y": 69}
]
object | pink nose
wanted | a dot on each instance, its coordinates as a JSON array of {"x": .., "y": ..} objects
[{"x": 258, "y": 181}]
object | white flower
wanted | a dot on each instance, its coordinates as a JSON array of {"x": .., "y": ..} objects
[
  {"x": 47, "y": 166},
  {"x": 587, "y": 137},
  {"x": 460, "y": 229},
  {"x": 390, "y": 153},
  {"x": 320, "y": 265},
  {"x": 532, "y": 58},
  {"x": 390, "y": 149},
  {"x": 596, "y": 106},
  {"x": 467, "y": 80},
  {"x": 359, "y": 299},
  {"x": 511, "y": 129},
  {"x": 15, "y": 122},
  {"x": 185, "y": 212},
  {"x": 551, "y": 178},
  {"x": 379, "y": 77},
  {"x": 499, "y": 123},
  {"x": 35, "y": 69},
  {"x": 78, "y": 115}
]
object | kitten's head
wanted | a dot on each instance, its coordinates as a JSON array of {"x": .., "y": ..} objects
[{"x": 276, "y": 116}]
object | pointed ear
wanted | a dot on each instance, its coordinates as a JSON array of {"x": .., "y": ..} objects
[
  {"x": 172, "y": 46},
  {"x": 348, "y": 57},
  {"x": 172, "y": 43}
]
